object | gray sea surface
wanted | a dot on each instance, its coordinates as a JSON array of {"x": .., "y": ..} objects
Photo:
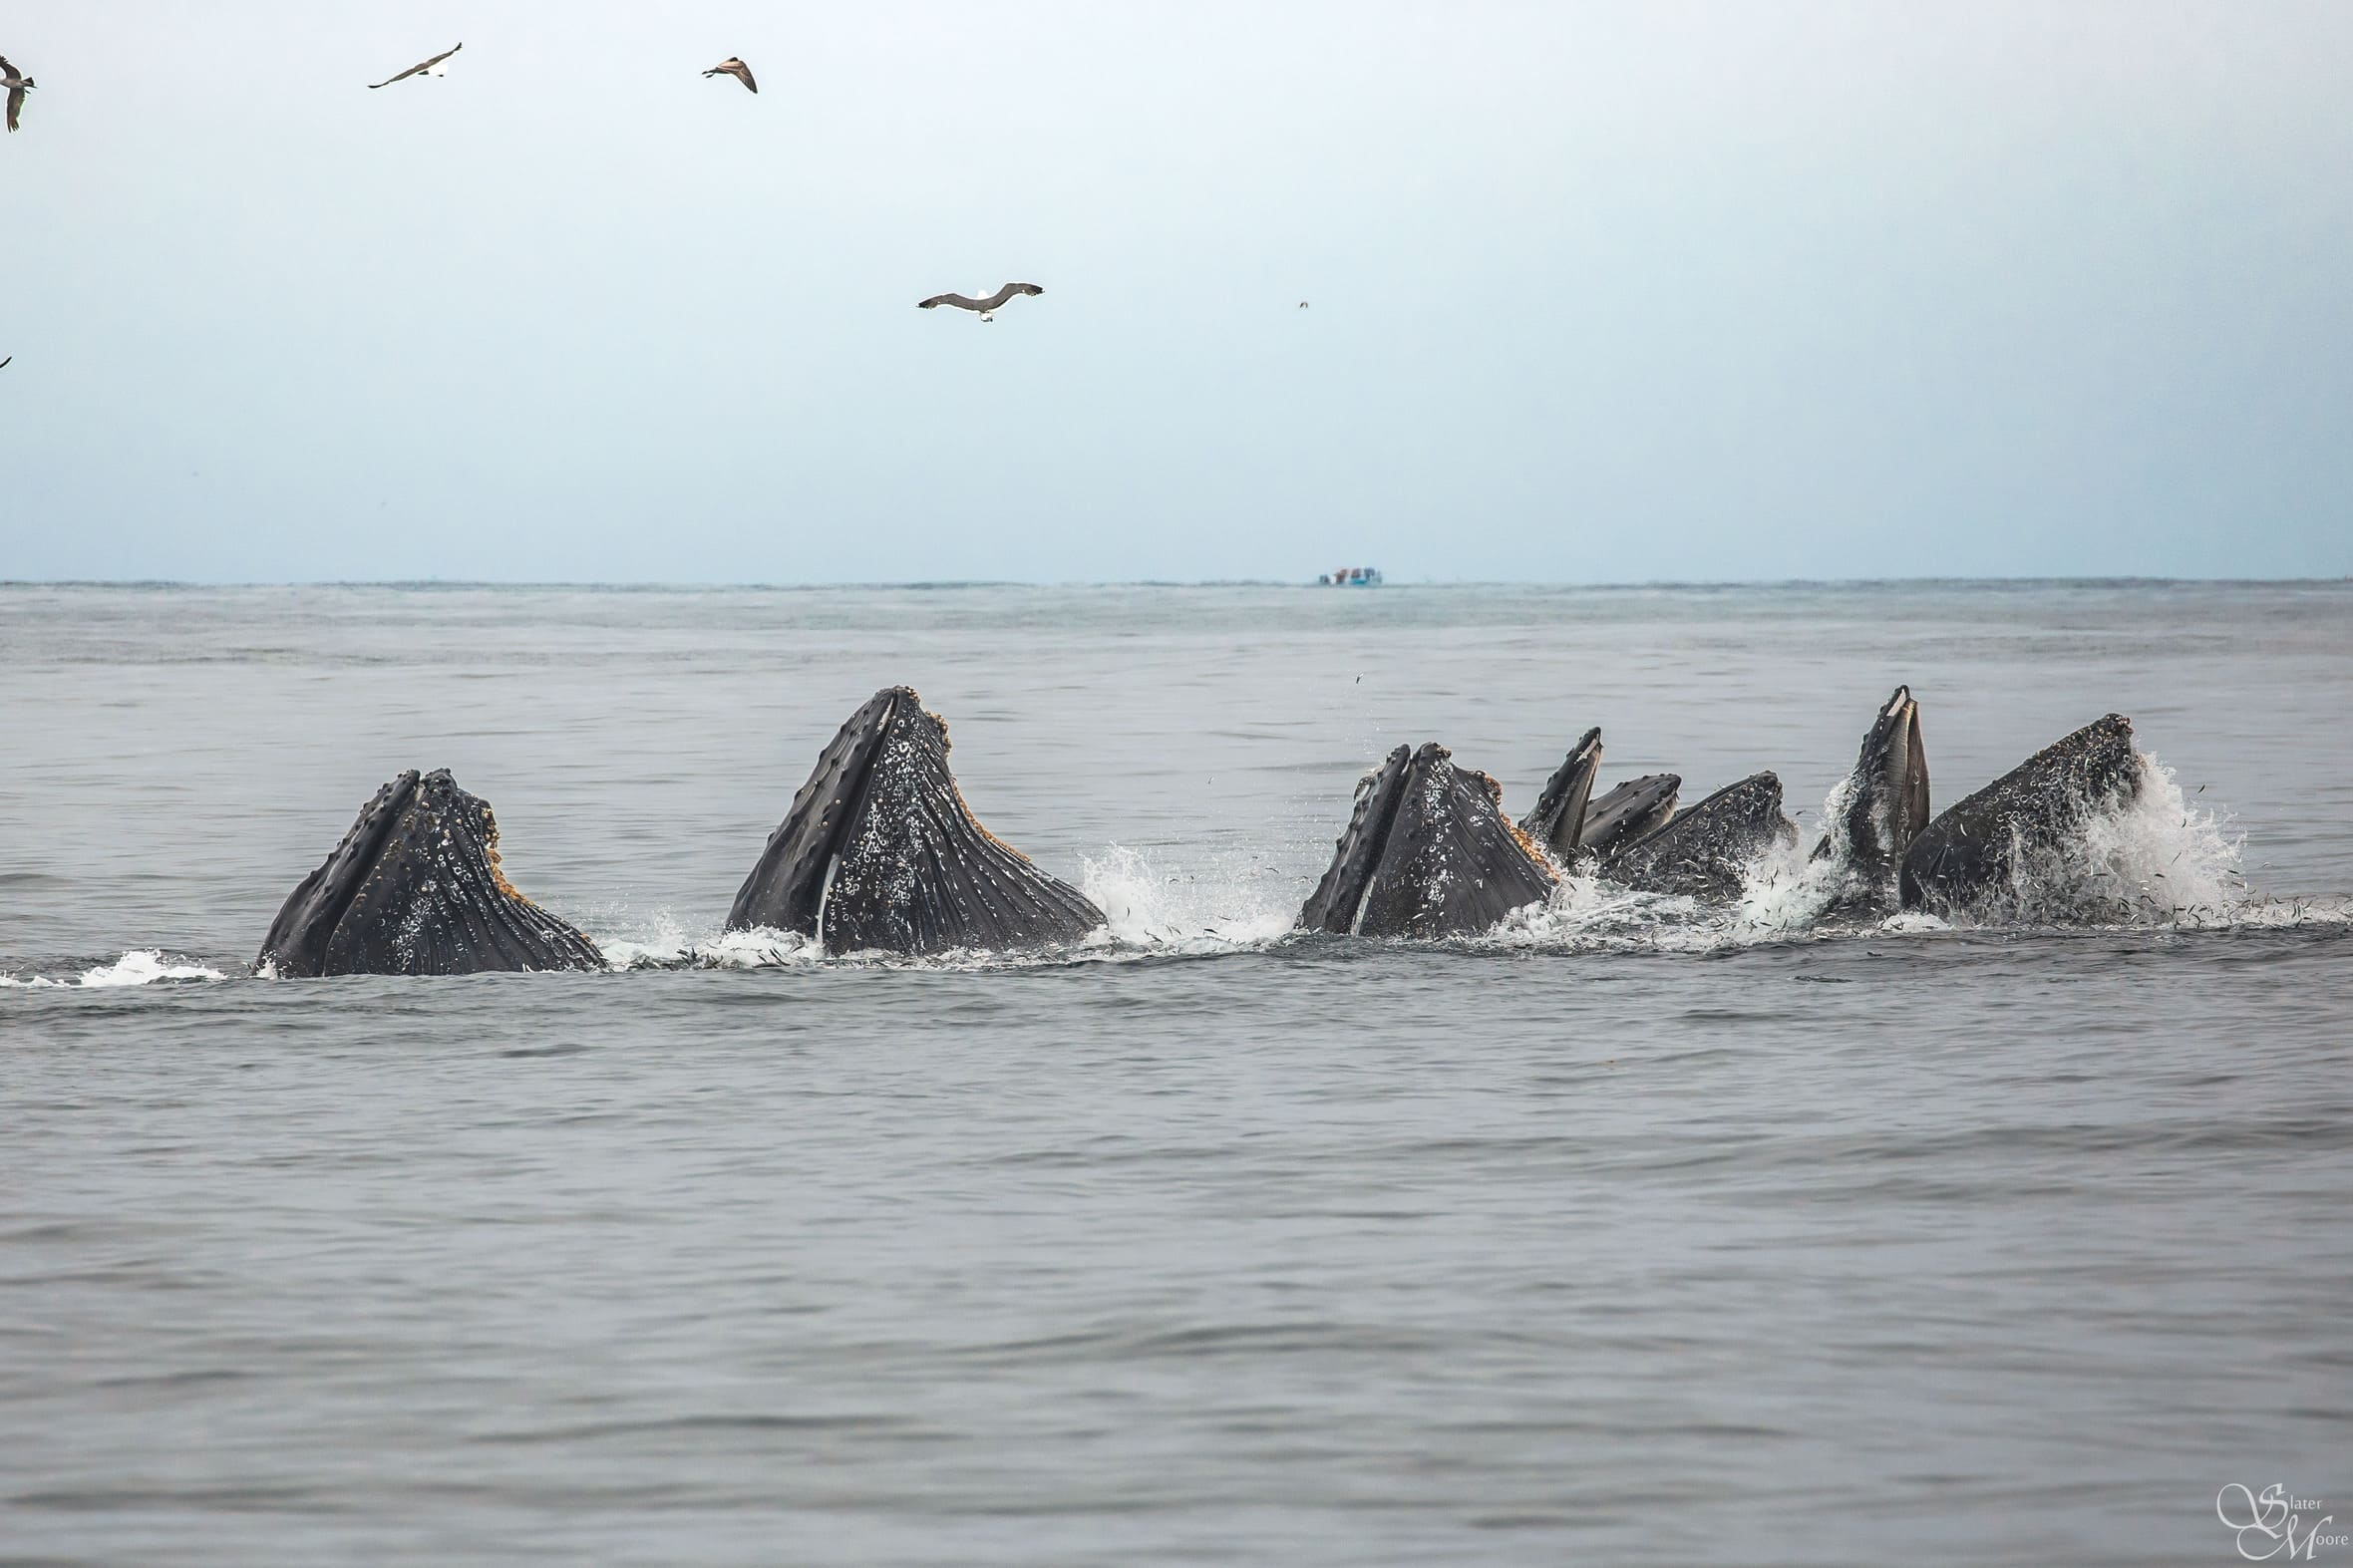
[{"x": 1638, "y": 1231}]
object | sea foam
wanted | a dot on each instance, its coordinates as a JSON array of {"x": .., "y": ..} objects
[{"x": 139, "y": 967}]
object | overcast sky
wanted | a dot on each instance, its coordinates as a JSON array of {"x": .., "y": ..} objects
[{"x": 1599, "y": 292}]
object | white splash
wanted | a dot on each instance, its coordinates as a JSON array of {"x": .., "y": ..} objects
[
  {"x": 1788, "y": 889},
  {"x": 2162, "y": 859},
  {"x": 139, "y": 967},
  {"x": 1587, "y": 913},
  {"x": 762, "y": 947},
  {"x": 144, "y": 966},
  {"x": 1234, "y": 905},
  {"x": 662, "y": 942},
  {"x": 658, "y": 943}
]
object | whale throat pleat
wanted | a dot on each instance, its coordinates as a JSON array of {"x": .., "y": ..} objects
[
  {"x": 415, "y": 888},
  {"x": 1452, "y": 866},
  {"x": 1427, "y": 852},
  {"x": 1337, "y": 905},
  {"x": 881, "y": 852}
]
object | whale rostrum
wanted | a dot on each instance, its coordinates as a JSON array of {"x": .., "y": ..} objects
[
  {"x": 415, "y": 888},
  {"x": 880, "y": 854}
]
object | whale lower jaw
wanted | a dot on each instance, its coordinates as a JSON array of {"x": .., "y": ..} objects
[
  {"x": 415, "y": 888},
  {"x": 1705, "y": 851},
  {"x": 879, "y": 852},
  {"x": 1427, "y": 852},
  {"x": 1981, "y": 850},
  {"x": 1628, "y": 813}
]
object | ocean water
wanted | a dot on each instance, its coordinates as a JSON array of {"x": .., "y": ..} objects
[{"x": 1636, "y": 1231}]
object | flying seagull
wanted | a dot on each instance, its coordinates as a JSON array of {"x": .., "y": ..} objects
[
  {"x": 731, "y": 66},
  {"x": 433, "y": 66},
  {"x": 1302, "y": 304},
  {"x": 987, "y": 307},
  {"x": 16, "y": 86},
  {"x": 4, "y": 362}
]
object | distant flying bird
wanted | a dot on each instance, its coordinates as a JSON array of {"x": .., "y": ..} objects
[
  {"x": 987, "y": 307},
  {"x": 433, "y": 66},
  {"x": 4, "y": 362},
  {"x": 731, "y": 66},
  {"x": 16, "y": 86},
  {"x": 1302, "y": 304}
]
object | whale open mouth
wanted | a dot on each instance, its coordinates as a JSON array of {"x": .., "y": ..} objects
[
  {"x": 1880, "y": 807},
  {"x": 1706, "y": 850},
  {"x": 880, "y": 852},
  {"x": 1891, "y": 804},
  {"x": 1979, "y": 854},
  {"x": 1557, "y": 820},
  {"x": 415, "y": 888},
  {"x": 1627, "y": 814},
  {"x": 1427, "y": 852}
]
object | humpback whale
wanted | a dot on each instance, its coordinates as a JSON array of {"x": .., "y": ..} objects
[
  {"x": 1705, "y": 850},
  {"x": 1883, "y": 805},
  {"x": 415, "y": 889},
  {"x": 881, "y": 852},
  {"x": 1629, "y": 812},
  {"x": 1979, "y": 851},
  {"x": 1427, "y": 852},
  {"x": 1575, "y": 827},
  {"x": 1558, "y": 819}
]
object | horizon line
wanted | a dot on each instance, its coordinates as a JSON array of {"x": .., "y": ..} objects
[{"x": 682, "y": 585}]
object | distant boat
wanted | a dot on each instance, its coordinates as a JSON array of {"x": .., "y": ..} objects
[{"x": 1351, "y": 577}]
